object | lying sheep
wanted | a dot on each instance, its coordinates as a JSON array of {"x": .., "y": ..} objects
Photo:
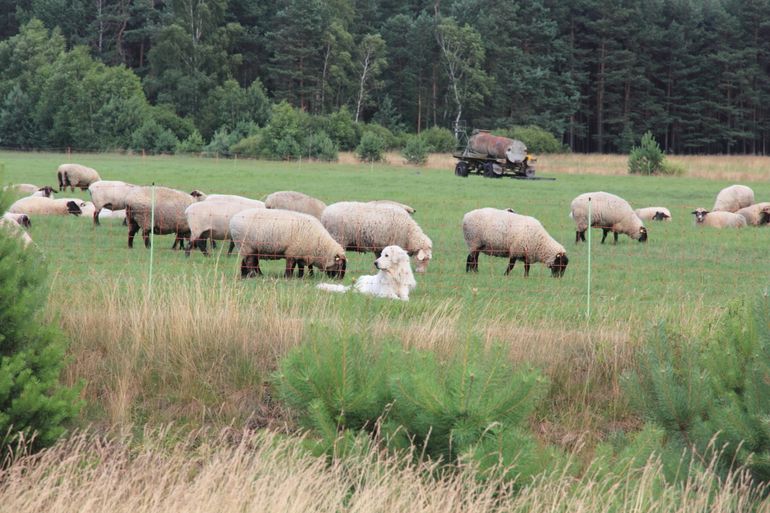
[
  {"x": 20, "y": 219},
  {"x": 653, "y": 214},
  {"x": 610, "y": 213},
  {"x": 232, "y": 198},
  {"x": 734, "y": 198},
  {"x": 503, "y": 233},
  {"x": 274, "y": 234},
  {"x": 170, "y": 205},
  {"x": 13, "y": 228},
  {"x": 33, "y": 190},
  {"x": 110, "y": 194},
  {"x": 106, "y": 213},
  {"x": 210, "y": 220},
  {"x": 718, "y": 219},
  {"x": 296, "y": 201},
  {"x": 365, "y": 227},
  {"x": 757, "y": 214},
  {"x": 408, "y": 209},
  {"x": 41, "y": 206},
  {"x": 75, "y": 175}
]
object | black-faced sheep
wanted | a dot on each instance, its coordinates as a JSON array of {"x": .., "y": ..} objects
[
  {"x": 210, "y": 220},
  {"x": 718, "y": 219},
  {"x": 296, "y": 201},
  {"x": 169, "y": 216},
  {"x": 653, "y": 214},
  {"x": 76, "y": 175},
  {"x": 610, "y": 213},
  {"x": 110, "y": 194},
  {"x": 502, "y": 233},
  {"x": 733, "y": 198},
  {"x": 42, "y": 206}
]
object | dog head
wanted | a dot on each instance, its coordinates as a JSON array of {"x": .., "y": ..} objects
[{"x": 395, "y": 261}]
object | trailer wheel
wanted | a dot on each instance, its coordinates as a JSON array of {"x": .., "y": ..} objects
[
  {"x": 489, "y": 170},
  {"x": 529, "y": 172},
  {"x": 461, "y": 169}
]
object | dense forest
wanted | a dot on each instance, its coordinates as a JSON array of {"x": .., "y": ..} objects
[{"x": 596, "y": 74}]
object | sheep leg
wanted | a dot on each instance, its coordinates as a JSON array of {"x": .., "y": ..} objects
[
  {"x": 526, "y": 267},
  {"x": 605, "y": 231},
  {"x": 202, "y": 246},
  {"x": 189, "y": 248},
  {"x": 472, "y": 262},
  {"x": 511, "y": 263},
  {"x": 146, "y": 237},
  {"x": 213, "y": 243},
  {"x": 580, "y": 236},
  {"x": 61, "y": 181},
  {"x": 290, "y": 263},
  {"x": 232, "y": 247},
  {"x": 310, "y": 270},
  {"x": 96, "y": 217},
  {"x": 615, "y": 235},
  {"x": 301, "y": 271},
  {"x": 133, "y": 227}
]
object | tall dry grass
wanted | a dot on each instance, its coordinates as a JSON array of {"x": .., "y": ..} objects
[
  {"x": 242, "y": 471},
  {"x": 739, "y": 168}
]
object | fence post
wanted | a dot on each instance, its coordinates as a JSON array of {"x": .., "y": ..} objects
[
  {"x": 152, "y": 242},
  {"x": 588, "y": 295}
]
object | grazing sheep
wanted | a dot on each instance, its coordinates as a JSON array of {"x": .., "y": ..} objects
[
  {"x": 653, "y": 214},
  {"x": 170, "y": 205},
  {"x": 274, "y": 234},
  {"x": 718, "y": 219},
  {"x": 408, "y": 209},
  {"x": 365, "y": 227},
  {"x": 757, "y": 214},
  {"x": 734, "y": 198},
  {"x": 110, "y": 194},
  {"x": 232, "y": 198},
  {"x": 502, "y": 233},
  {"x": 210, "y": 219},
  {"x": 33, "y": 190},
  {"x": 106, "y": 213},
  {"x": 76, "y": 175},
  {"x": 610, "y": 213},
  {"x": 41, "y": 206},
  {"x": 20, "y": 219},
  {"x": 13, "y": 228},
  {"x": 296, "y": 201}
]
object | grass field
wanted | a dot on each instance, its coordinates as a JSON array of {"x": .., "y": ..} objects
[
  {"x": 198, "y": 348},
  {"x": 682, "y": 275}
]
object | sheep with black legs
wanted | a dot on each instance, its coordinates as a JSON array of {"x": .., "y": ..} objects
[
  {"x": 296, "y": 201},
  {"x": 169, "y": 216},
  {"x": 76, "y": 175},
  {"x": 109, "y": 194},
  {"x": 283, "y": 234},
  {"x": 41, "y": 206},
  {"x": 503, "y": 233},
  {"x": 610, "y": 213},
  {"x": 210, "y": 220},
  {"x": 653, "y": 214},
  {"x": 718, "y": 219}
]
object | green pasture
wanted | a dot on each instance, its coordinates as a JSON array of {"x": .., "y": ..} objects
[{"x": 682, "y": 271}]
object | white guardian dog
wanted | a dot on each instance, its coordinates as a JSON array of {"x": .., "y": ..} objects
[{"x": 393, "y": 281}]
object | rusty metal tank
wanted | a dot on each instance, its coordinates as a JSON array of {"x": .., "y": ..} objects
[{"x": 497, "y": 147}]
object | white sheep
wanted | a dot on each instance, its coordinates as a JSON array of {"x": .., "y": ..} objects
[
  {"x": 110, "y": 194},
  {"x": 734, "y": 198},
  {"x": 20, "y": 219},
  {"x": 232, "y": 198},
  {"x": 610, "y": 213},
  {"x": 210, "y": 220},
  {"x": 169, "y": 216},
  {"x": 503, "y": 233},
  {"x": 275, "y": 234},
  {"x": 13, "y": 228},
  {"x": 718, "y": 219},
  {"x": 653, "y": 214},
  {"x": 406, "y": 207},
  {"x": 32, "y": 190},
  {"x": 106, "y": 213},
  {"x": 365, "y": 227},
  {"x": 757, "y": 214},
  {"x": 296, "y": 201},
  {"x": 42, "y": 206},
  {"x": 76, "y": 175}
]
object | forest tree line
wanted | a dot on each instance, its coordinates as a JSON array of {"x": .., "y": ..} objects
[{"x": 597, "y": 74}]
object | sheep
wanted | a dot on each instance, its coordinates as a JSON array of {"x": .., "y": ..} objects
[
  {"x": 32, "y": 190},
  {"x": 109, "y": 194},
  {"x": 210, "y": 219},
  {"x": 106, "y": 213},
  {"x": 610, "y": 213},
  {"x": 275, "y": 234},
  {"x": 408, "y": 209},
  {"x": 20, "y": 219},
  {"x": 76, "y": 175},
  {"x": 170, "y": 205},
  {"x": 232, "y": 198},
  {"x": 503, "y": 233},
  {"x": 365, "y": 227},
  {"x": 653, "y": 214},
  {"x": 718, "y": 219},
  {"x": 35, "y": 205},
  {"x": 734, "y": 198},
  {"x": 297, "y": 201},
  {"x": 11, "y": 227},
  {"x": 756, "y": 214}
]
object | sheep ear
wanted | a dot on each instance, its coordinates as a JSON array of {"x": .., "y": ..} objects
[{"x": 421, "y": 255}]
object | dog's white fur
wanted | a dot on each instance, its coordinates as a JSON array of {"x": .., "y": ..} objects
[{"x": 393, "y": 281}]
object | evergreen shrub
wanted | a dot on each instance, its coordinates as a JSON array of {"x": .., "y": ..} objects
[{"x": 371, "y": 147}]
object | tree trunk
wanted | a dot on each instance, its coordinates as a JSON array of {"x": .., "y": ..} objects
[{"x": 600, "y": 99}]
